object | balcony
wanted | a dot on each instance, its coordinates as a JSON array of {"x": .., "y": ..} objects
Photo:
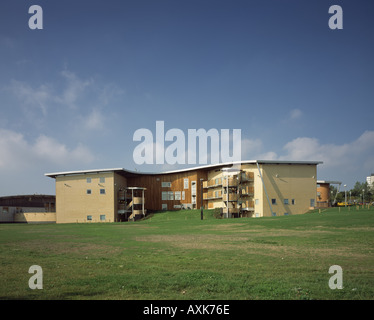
[
  {"x": 230, "y": 197},
  {"x": 247, "y": 191},
  {"x": 248, "y": 205},
  {"x": 212, "y": 195},
  {"x": 212, "y": 183},
  {"x": 247, "y": 176},
  {"x": 231, "y": 182}
]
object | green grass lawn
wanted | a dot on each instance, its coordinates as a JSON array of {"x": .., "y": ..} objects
[{"x": 175, "y": 255}]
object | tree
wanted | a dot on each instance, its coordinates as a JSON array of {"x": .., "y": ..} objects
[{"x": 356, "y": 192}]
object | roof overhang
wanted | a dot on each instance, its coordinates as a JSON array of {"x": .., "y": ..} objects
[
  {"x": 328, "y": 182},
  {"x": 129, "y": 173}
]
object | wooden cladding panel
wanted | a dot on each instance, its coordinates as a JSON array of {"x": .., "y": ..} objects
[{"x": 153, "y": 184}]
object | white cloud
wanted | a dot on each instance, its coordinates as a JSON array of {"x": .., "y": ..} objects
[
  {"x": 252, "y": 149},
  {"x": 17, "y": 152},
  {"x": 359, "y": 152},
  {"x": 36, "y": 98},
  {"x": 295, "y": 114},
  {"x": 349, "y": 161},
  {"x": 94, "y": 121},
  {"x": 74, "y": 89}
]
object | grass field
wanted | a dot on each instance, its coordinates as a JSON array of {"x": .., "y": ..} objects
[{"x": 175, "y": 255}]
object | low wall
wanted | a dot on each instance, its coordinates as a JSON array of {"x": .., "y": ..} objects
[{"x": 35, "y": 217}]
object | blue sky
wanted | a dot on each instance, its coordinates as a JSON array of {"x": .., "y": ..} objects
[{"x": 73, "y": 94}]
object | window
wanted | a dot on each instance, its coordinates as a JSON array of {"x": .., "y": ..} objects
[
  {"x": 102, "y": 179},
  {"x": 312, "y": 202},
  {"x": 88, "y": 191},
  {"x": 164, "y": 195},
  {"x": 216, "y": 181},
  {"x": 185, "y": 182},
  {"x": 273, "y": 214},
  {"x": 165, "y": 184},
  {"x": 89, "y": 218},
  {"x": 177, "y": 195},
  {"x": 273, "y": 201},
  {"x": 216, "y": 194},
  {"x": 102, "y": 217},
  {"x": 293, "y": 201},
  {"x": 183, "y": 195},
  {"x": 257, "y": 202},
  {"x": 102, "y": 191},
  {"x": 5, "y": 210},
  {"x": 286, "y": 213},
  {"x": 164, "y": 206},
  {"x": 285, "y": 201},
  {"x": 170, "y": 195},
  {"x": 88, "y": 180}
]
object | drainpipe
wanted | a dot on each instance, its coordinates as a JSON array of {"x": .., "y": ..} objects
[{"x": 263, "y": 184}]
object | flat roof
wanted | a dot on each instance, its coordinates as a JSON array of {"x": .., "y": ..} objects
[{"x": 128, "y": 173}]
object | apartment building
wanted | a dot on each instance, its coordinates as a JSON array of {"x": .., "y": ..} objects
[{"x": 254, "y": 188}]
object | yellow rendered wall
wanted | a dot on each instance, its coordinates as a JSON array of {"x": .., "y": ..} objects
[
  {"x": 73, "y": 204},
  {"x": 284, "y": 181},
  {"x": 35, "y": 217},
  {"x": 259, "y": 198}
]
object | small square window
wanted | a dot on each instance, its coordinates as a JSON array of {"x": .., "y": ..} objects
[
  {"x": 89, "y": 218},
  {"x": 102, "y": 191},
  {"x": 89, "y": 191},
  {"x": 273, "y": 201},
  {"x": 293, "y": 201},
  {"x": 102, "y": 217},
  {"x": 285, "y": 201},
  {"x": 274, "y": 214},
  {"x": 88, "y": 180},
  {"x": 165, "y": 184},
  {"x": 102, "y": 180}
]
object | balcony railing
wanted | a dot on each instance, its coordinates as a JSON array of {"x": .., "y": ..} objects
[
  {"x": 212, "y": 195},
  {"x": 231, "y": 182},
  {"x": 248, "y": 205},
  {"x": 247, "y": 191},
  {"x": 230, "y": 197},
  {"x": 247, "y": 176},
  {"x": 212, "y": 183}
]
